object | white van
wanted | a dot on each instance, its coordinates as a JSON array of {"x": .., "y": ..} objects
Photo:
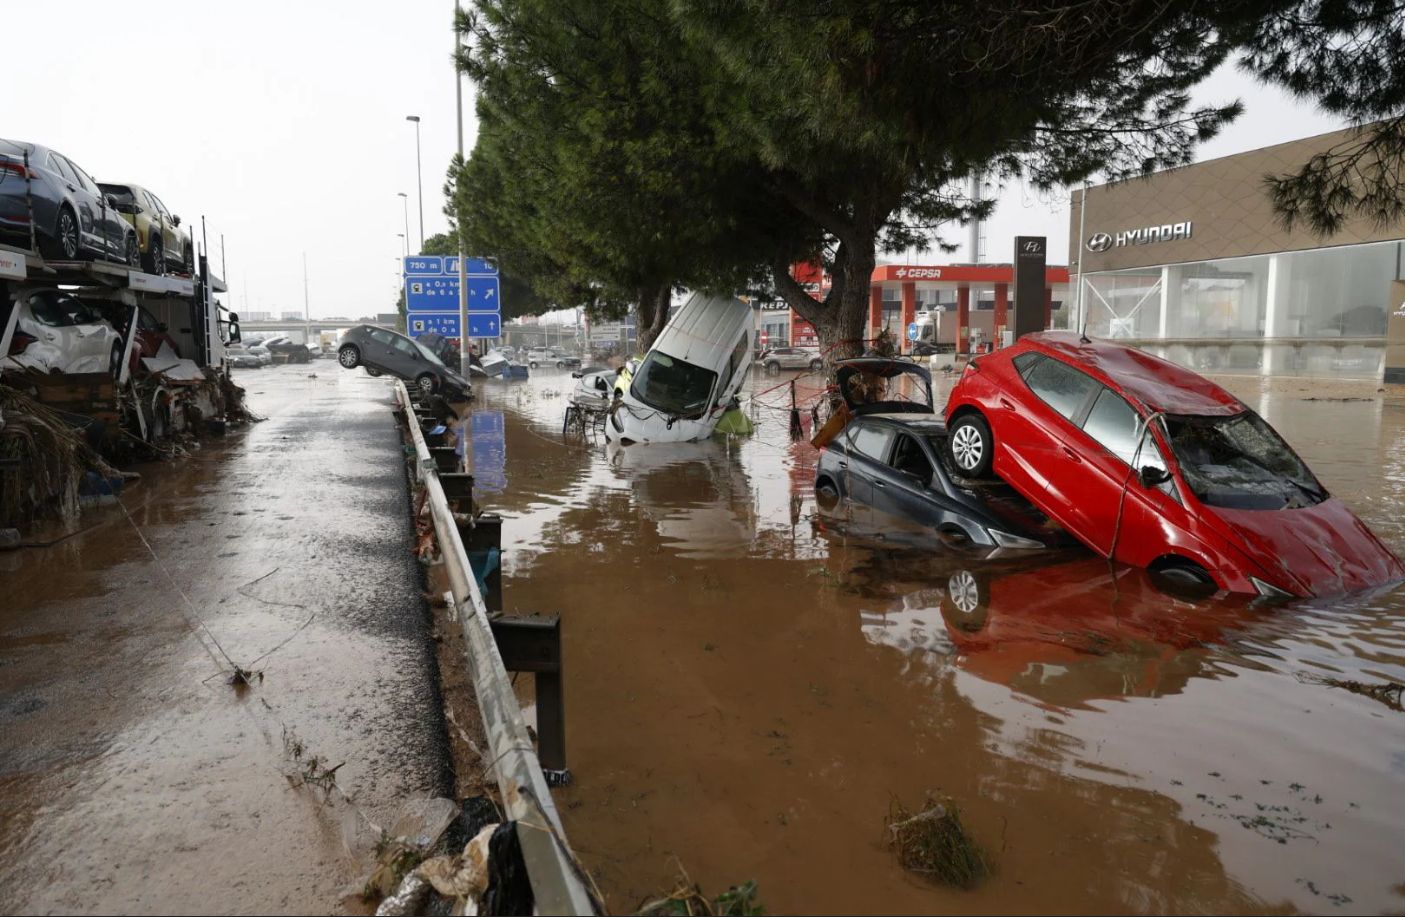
[{"x": 685, "y": 382}]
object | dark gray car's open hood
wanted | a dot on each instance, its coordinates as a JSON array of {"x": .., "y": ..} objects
[{"x": 853, "y": 375}]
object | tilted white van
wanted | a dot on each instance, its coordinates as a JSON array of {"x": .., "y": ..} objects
[{"x": 688, "y": 378}]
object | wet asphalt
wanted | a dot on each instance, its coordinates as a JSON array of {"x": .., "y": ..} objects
[{"x": 133, "y": 776}]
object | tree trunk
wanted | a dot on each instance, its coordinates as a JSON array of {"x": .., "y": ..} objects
[
  {"x": 841, "y": 320},
  {"x": 652, "y": 314}
]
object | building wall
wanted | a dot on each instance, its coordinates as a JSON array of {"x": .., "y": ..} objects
[{"x": 1225, "y": 201}]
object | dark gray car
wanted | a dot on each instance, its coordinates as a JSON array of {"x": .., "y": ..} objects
[
  {"x": 896, "y": 463},
  {"x": 391, "y": 352},
  {"x": 70, "y": 216}
]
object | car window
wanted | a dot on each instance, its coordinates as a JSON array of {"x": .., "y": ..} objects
[
  {"x": 83, "y": 178},
  {"x": 871, "y": 440},
  {"x": 148, "y": 203},
  {"x": 909, "y": 457},
  {"x": 57, "y": 164},
  {"x": 161, "y": 207},
  {"x": 52, "y": 307},
  {"x": 1114, "y": 425},
  {"x": 122, "y": 193},
  {"x": 404, "y": 346},
  {"x": 1060, "y": 386},
  {"x": 380, "y": 336}
]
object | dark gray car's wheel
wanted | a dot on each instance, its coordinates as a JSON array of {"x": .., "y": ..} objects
[
  {"x": 971, "y": 445},
  {"x": 372, "y": 372},
  {"x": 156, "y": 259},
  {"x": 826, "y": 494},
  {"x": 964, "y": 606},
  {"x": 427, "y": 383},
  {"x": 349, "y": 357},
  {"x": 65, "y": 244},
  {"x": 133, "y": 251}
]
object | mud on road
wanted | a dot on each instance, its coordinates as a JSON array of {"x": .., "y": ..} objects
[
  {"x": 132, "y": 776},
  {"x": 750, "y": 684}
]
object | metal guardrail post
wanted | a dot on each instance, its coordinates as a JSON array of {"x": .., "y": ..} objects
[{"x": 557, "y": 884}]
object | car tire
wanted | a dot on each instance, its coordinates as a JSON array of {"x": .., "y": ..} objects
[
  {"x": 155, "y": 262},
  {"x": 816, "y": 365},
  {"x": 373, "y": 372},
  {"x": 1182, "y": 579},
  {"x": 349, "y": 357},
  {"x": 971, "y": 446},
  {"x": 533, "y": 365},
  {"x": 427, "y": 384},
  {"x": 966, "y": 601},
  {"x": 560, "y": 364},
  {"x": 773, "y": 368},
  {"x": 67, "y": 244},
  {"x": 826, "y": 494},
  {"x": 133, "y": 252}
]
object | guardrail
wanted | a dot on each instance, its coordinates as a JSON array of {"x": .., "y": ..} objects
[{"x": 557, "y": 884}]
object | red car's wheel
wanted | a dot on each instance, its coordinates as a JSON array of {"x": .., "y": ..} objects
[{"x": 971, "y": 445}]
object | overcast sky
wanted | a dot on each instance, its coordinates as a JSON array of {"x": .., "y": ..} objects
[{"x": 283, "y": 124}]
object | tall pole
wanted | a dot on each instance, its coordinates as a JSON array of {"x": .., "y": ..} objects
[
  {"x": 1081, "y": 242},
  {"x": 975, "y": 228},
  {"x": 306, "y": 313},
  {"x": 419, "y": 173},
  {"x": 464, "y": 346},
  {"x": 405, "y": 200}
]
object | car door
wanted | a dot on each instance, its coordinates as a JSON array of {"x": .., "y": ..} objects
[
  {"x": 1116, "y": 444},
  {"x": 380, "y": 352},
  {"x": 1046, "y": 454},
  {"x": 170, "y": 235},
  {"x": 109, "y": 229},
  {"x": 869, "y": 445},
  {"x": 408, "y": 361},
  {"x": 902, "y": 486}
]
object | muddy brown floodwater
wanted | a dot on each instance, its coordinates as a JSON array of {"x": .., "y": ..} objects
[{"x": 750, "y": 684}]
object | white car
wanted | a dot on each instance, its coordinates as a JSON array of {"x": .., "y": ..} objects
[
  {"x": 687, "y": 380},
  {"x": 57, "y": 332}
]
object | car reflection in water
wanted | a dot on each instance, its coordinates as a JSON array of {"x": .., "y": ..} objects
[{"x": 1064, "y": 633}]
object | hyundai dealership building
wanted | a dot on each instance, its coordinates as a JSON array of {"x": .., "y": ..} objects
[{"x": 1193, "y": 264}]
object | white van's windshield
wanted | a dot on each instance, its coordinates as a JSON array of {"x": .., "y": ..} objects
[{"x": 673, "y": 387}]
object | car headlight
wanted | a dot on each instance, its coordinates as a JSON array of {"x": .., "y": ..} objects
[
  {"x": 1006, "y": 540},
  {"x": 1270, "y": 591}
]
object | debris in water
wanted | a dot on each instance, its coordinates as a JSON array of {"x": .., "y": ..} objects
[
  {"x": 933, "y": 843},
  {"x": 1388, "y": 693},
  {"x": 688, "y": 900}
]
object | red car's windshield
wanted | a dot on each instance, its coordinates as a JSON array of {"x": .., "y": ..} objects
[{"x": 1239, "y": 462}]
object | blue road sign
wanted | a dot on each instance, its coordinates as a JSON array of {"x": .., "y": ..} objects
[
  {"x": 476, "y": 267},
  {"x": 912, "y": 331},
  {"x": 425, "y": 264},
  {"x": 480, "y": 324},
  {"x": 441, "y": 294}
]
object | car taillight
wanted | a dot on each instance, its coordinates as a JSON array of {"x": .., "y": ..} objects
[
  {"x": 20, "y": 341},
  {"x": 18, "y": 168}
]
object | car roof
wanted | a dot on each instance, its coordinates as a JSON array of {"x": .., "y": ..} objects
[
  {"x": 920, "y": 423},
  {"x": 1158, "y": 384}
]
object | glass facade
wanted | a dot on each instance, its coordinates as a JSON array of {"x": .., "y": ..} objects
[{"x": 1315, "y": 312}]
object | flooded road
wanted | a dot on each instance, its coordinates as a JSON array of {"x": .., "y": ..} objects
[
  {"x": 133, "y": 776},
  {"x": 751, "y": 684}
]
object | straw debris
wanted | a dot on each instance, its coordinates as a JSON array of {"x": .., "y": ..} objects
[
  {"x": 49, "y": 459},
  {"x": 933, "y": 843},
  {"x": 688, "y": 900}
]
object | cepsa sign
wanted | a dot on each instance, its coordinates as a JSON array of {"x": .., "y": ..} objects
[{"x": 918, "y": 273}]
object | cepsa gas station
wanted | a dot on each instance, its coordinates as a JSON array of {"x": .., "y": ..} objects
[{"x": 960, "y": 308}]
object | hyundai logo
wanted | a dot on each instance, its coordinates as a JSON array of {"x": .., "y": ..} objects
[{"x": 1099, "y": 242}]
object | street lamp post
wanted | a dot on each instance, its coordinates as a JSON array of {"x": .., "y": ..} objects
[
  {"x": 419, "y": 173},
  {"x": 405, "y": 201},
  {"x": 465, "y": 348},
  {"x": 406, "y": 240}
]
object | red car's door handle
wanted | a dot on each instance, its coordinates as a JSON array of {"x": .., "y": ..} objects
[
  {"x": 1007, "y": 404},
  {"x": 1072, "y": 456}
]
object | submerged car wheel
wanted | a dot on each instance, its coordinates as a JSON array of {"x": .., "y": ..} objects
[
  {"x": 1183, "y": 579},
  {"x": 349, "y": 357},
  {"x": 427, "y": 384},
  {"x": 826, "y": 494},
  {"x": 966, "y": 600},
  {"x": 971, "y": 445},
  {"x": 773, "y": 369}
]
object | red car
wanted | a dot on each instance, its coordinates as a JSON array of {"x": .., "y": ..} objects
[
  {"x": 151, "y": 334},
  {"x": 1150, "y": 464}
]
